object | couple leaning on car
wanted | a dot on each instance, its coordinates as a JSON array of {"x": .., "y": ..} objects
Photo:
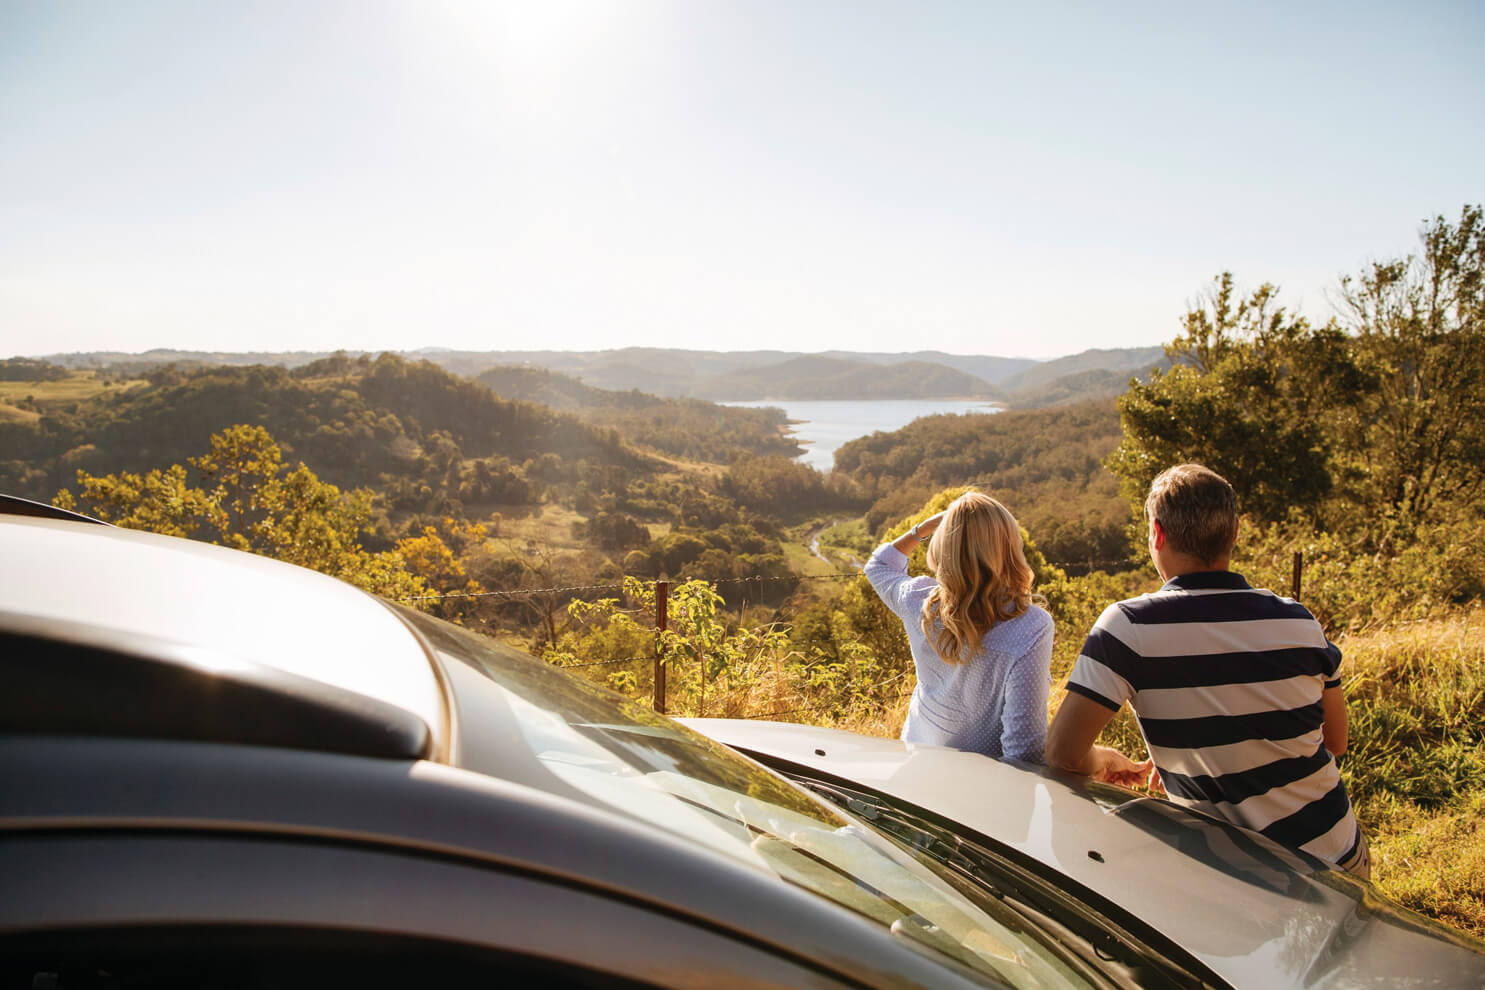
[{"x": 1236, "y": 689}]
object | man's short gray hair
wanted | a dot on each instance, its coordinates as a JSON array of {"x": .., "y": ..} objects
[{"x": 1197, "y": 509}]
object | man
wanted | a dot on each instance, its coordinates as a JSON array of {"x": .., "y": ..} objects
[{"x": 1235, "y": 688}]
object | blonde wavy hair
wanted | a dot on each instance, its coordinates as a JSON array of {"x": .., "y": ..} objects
[{"x": 983, "y": 577}]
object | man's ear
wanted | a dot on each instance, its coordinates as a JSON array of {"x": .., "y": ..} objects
[{"x": 1158, "y": 534}]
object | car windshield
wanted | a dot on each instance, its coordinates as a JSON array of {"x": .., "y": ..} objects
[{"x": 617, "y": 753}]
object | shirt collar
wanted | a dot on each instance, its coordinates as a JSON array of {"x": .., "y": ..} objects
[{"x": 1204, "y": 580}]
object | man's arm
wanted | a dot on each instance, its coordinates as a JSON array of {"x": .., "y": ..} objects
[
  {"x": 1070, "y": 746},
  {"x": 1334, "y": 731}
]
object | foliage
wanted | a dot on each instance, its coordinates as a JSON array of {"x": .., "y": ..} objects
[
  {"x": 725, "y": 553},
  {"x": 31, "y": 370},
  {"x": 1373, "y": 425},
  {"x": 1350, "y": 585},
  {"x": 250, "y": 500},
  {"x": 436, "y": 557},
  {"x": 1416, "y": 440},
  {"x": 780, "y": 486},
  {"x": 613, "y": 531},
  {"x": 713, "y": 667},
  {"x": 1240, "y": 399}
]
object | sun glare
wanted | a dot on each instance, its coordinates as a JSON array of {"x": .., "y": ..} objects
[{"x": 535, "y": 38}]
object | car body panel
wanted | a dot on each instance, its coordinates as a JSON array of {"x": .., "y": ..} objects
[
  {"x": 96, "y": 787},
  {"x": 1255, "y": 913},
  {"x": 219, "y": 602}
]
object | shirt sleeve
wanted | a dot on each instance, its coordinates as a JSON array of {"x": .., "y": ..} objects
[
  {"x": 1023, "y": 723},
  {"x": 1105, "y": 665},
  {"x": 1332, "y": 665},
  {"x": 887, "y": 572}
]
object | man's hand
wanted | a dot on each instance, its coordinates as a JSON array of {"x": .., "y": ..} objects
[{"x": 1113, "y": 767}]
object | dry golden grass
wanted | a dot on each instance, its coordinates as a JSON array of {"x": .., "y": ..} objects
[
  {"x": 550, "y": 525},
  {"x": 886, "y": 721},
  {"x": 74, "y": 388},
  {"x": 1432, "y": 861},
  {"x": 11, "y": 414},
  {"x": 1416, "y": 764}
]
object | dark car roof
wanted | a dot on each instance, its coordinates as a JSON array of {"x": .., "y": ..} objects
[{"x": 183, "y": 639}]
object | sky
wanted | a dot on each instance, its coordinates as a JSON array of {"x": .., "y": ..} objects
[{"x": 1027, "y": 179}]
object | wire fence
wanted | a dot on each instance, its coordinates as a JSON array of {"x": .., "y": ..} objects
[
  {"x": 660, "y": 663},
  {"x": 750, "y": 580}
]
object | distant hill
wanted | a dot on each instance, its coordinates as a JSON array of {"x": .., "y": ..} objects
[
  {"x": 985, "y": 367},
  {"x": 1091, "y": 375},
  {"x": 730, "y": 375},
  {"x": 818, "y": 377},
  {"x": 718, "y": 374},
  {"x": 556, "y": 390},
  {"x": 1128, "y": 361},
  {"x": 163, "y": 356}
]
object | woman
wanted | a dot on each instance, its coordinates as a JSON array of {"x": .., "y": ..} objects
[{"x": 982, "y": 648}]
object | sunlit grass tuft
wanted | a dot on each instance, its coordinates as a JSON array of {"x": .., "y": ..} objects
[{"x": 1415, "y": 768}]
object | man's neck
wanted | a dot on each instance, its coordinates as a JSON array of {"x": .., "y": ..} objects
[{"x": 1178, "y": 564}]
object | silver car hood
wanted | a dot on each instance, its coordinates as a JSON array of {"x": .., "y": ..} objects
[{"x": 1257, "y": 914}]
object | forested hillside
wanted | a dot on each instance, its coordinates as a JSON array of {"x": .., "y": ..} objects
[
  {"x": 472, "y": 489},
  {"x": 691, "y": 428},
  {"x": 422, "y": 436},
  {"x": 1046, "y": 465}
]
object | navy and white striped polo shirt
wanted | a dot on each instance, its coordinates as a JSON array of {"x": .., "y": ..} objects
[{"x": 1226, "y": 680}]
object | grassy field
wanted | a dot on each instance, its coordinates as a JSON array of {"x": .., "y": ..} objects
[
  {"x": 14, "y": 414},
  {"x": 1416, "y": 764},
  {"x": 801, "y": 559},
  {"x": 74, "y": 388},
  {"x": 550, "y": 525}
]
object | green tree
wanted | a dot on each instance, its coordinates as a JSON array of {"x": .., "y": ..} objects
[
  {"x": 1416, "y": 441},
  {"x": 249, "y": 500},
  {"x": 1242, "y": 397},
  {"x": 1373, "y": 423}
]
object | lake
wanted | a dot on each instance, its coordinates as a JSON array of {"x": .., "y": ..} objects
[{"x": 823, "y": 426}]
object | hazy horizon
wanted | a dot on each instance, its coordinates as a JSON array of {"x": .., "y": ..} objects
[
  {"x": 434, "y": 349},
  {"x": 578, "y": 175}
]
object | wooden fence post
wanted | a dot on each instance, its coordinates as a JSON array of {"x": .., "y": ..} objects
[
  {"x": 1299, "y": 569},
  {"x": 662, "y": 608}
]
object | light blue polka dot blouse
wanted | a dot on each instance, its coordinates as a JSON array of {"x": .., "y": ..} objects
[{"x": 996, "y": 703}]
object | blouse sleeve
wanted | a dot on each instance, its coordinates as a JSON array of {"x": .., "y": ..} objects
[
  {"x": 887, "y": 572},
  {"x": 1023, "y": 732}
]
